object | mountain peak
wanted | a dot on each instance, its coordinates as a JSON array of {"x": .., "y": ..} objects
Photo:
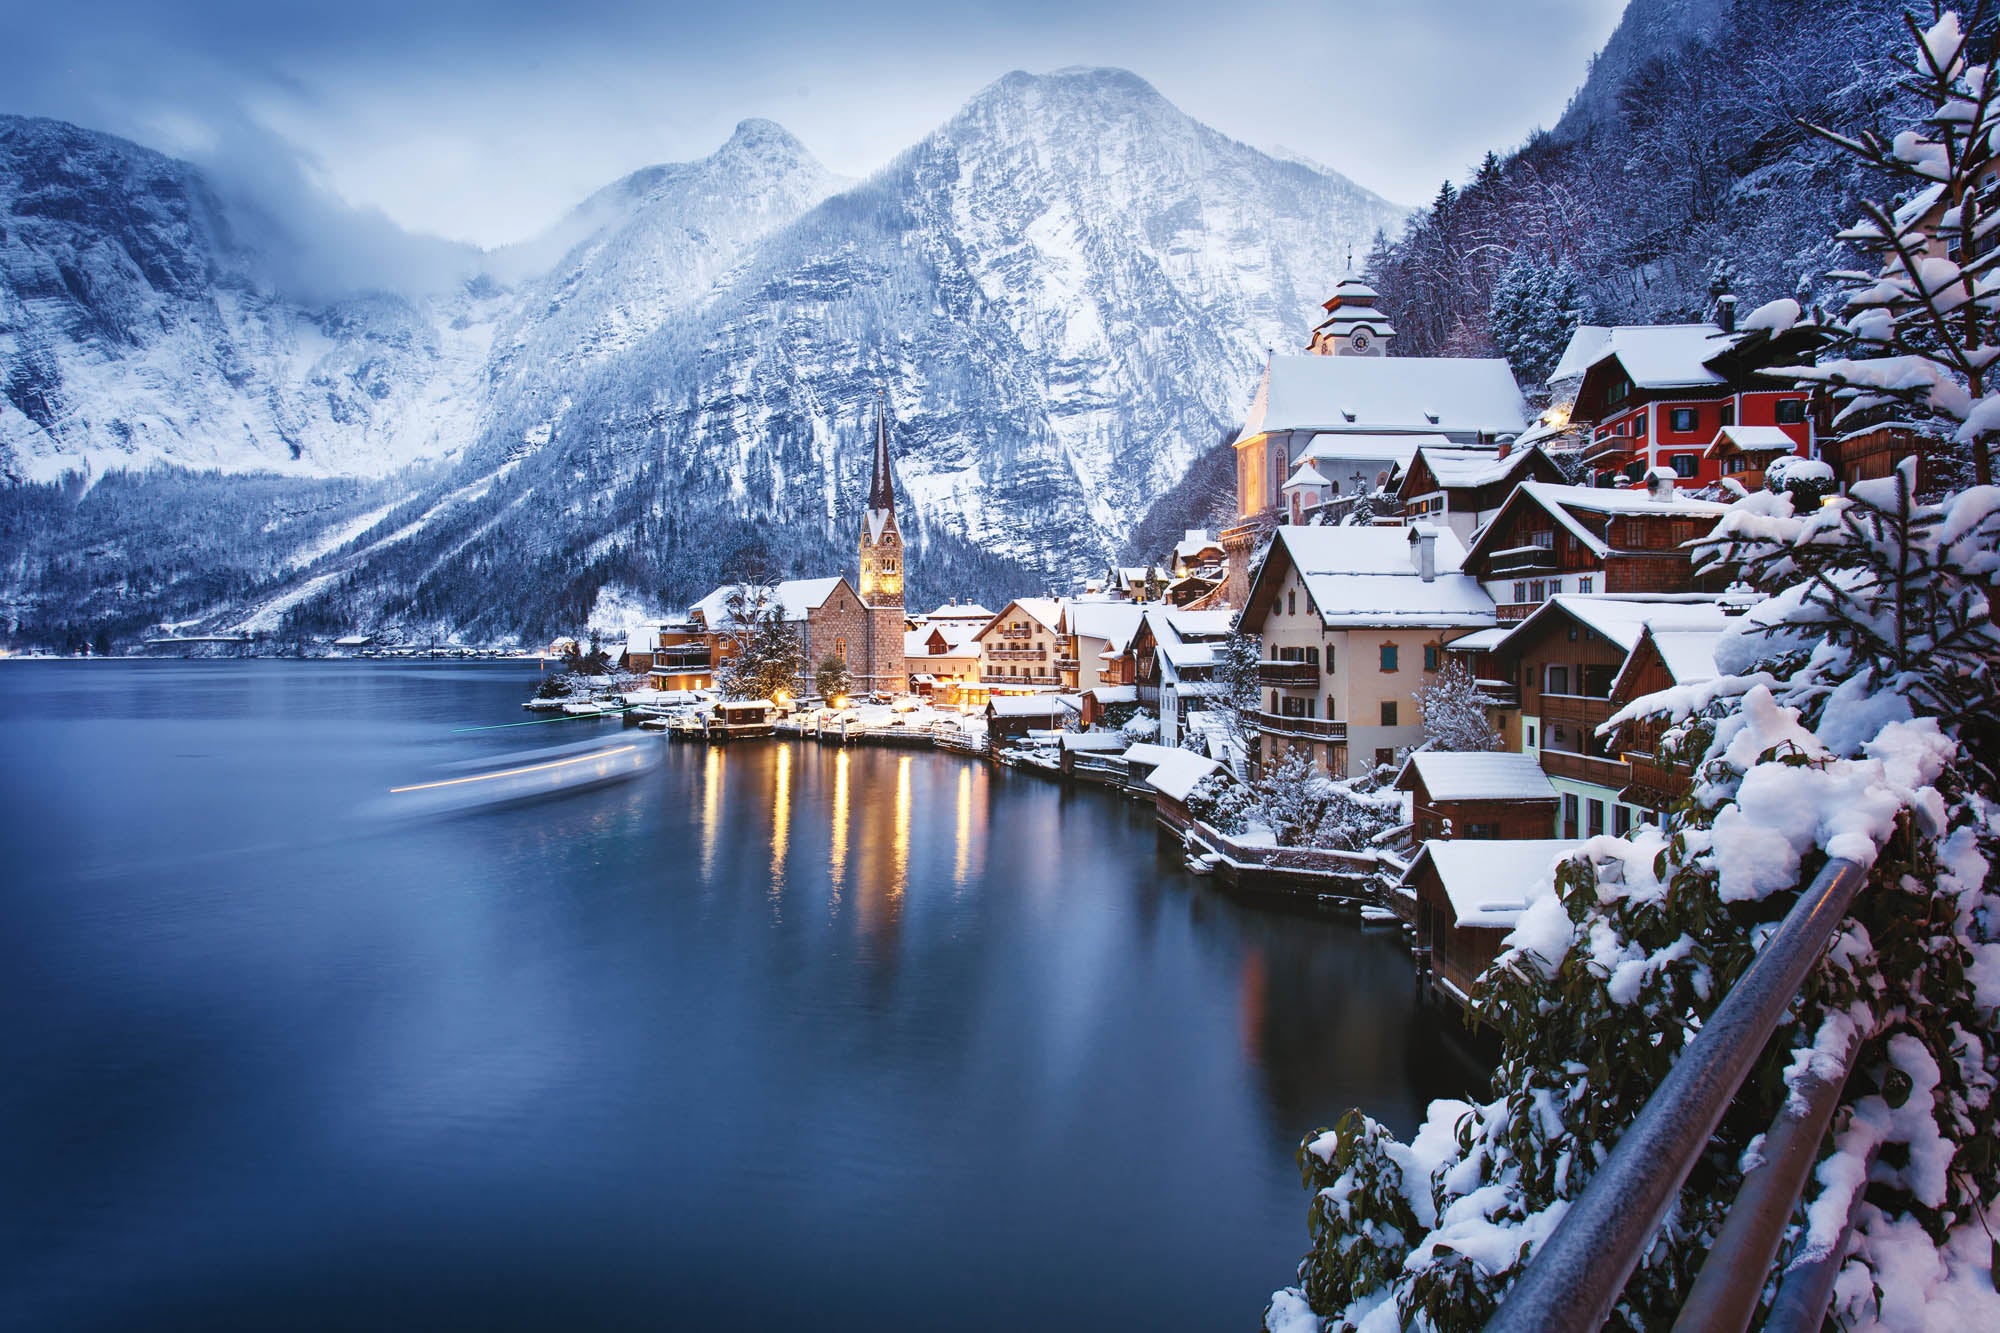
[{"x": 762, "y": 136}]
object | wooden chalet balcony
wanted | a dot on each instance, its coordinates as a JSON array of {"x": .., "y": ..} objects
[
  {"x": 1517, "y": 560},
  {"x": 1500, "y": 693},
  {"x": 1288, "y": 673},
  {"x": 1018, "y": 654},
  {"x": 1653, "y": 784},
  {"x": 1304, "y": 728},
  {"x": 1578, "y": 710},
  {"x": 679, "y": 658},
  {"x": 1067, "y": 664},
  {"x": 1612, "y": 773}
]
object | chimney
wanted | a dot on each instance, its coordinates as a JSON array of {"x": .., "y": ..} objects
[
  {"x": 1425, "y": 539},
  {"x": 1506, "y": 447},
  {"x": 1660, "y": 484},
  {"x": 1725, "y": 312}
]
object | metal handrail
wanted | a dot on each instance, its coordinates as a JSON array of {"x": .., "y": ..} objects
[{"x": 1575, "y": 1278}]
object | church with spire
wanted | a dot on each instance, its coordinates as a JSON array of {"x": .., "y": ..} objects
[{"x": 880, "y": 665}]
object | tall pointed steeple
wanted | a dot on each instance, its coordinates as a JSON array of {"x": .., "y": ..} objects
[{"x": 882, "y": 485}]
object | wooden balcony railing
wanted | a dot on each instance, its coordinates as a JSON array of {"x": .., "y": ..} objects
[
  {"x": 1310, "y": 728},
  {"x": 1612, "y": 773},
  {"x": 1288, "y": 673},
  {"x": 1578, "y": 710}
]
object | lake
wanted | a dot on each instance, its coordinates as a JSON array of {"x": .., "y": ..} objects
[{"x": 775, "y": 1035}]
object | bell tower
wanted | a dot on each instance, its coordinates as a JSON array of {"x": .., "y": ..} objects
[
  {"x": 1353, "y": 325},
  {"x": 882, "y": 664}
]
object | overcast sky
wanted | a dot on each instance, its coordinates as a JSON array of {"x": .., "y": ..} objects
[{"x": 485, "y": 120}]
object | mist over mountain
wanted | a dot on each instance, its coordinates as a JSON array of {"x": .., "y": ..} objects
[{"x": 1062, "y": 294}]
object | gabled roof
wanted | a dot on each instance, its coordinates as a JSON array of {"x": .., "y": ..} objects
[
  {"x": 1487, "y": 776},
  {"x": 1564, "y": 503},
  {"x": 1179, "y": 773},
  {"x": 1665, "y": 356},
  {"x": 1622, "y": 617},
  {"x": 1306, "y": 475},
  {"x": 1044, "y": 611},
  {"x": 1584, "y": 346},
  {"x": 796, "y": 597},
  {"x": 1114, "y": 622},
  {"x": 1456, "y": 467},
  {"x": 1687, "y": 654},
  {"x": 1030, "y": 705},
  {"x": 1752, "y": 440},
  {"x": 961, "y": 611},
  {"x": 1359, "y": 577},
  {"x": 1488, "y": 882},
  {"x": 1393, "y": 394},
  {"x": 1357, "y": 446}
]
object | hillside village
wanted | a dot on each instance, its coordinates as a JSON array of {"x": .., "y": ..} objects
[{"x": 1430, "y": 603}]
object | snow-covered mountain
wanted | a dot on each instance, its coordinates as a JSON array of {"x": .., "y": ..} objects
[{"x": 1064, "y": 292}]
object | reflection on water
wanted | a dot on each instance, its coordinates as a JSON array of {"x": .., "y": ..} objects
[
  {"x": 711, "y": 809},
  {"x": 781, "y": 824},
  {"x": 525, "y": 1070},
  {"x": 837, "y": 857}
]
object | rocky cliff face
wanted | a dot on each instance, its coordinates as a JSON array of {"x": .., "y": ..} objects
[{"x": 1063, "y": 292}]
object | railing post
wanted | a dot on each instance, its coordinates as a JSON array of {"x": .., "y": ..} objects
[{"x": 1575, "y": 1278}]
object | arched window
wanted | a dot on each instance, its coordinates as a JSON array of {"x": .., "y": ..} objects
[
  {"x": 1278, "y": 469},
  {"x": 840, "y": 649}
]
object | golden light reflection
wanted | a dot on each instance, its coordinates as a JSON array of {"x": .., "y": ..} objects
[
  {"x": 964, "y": 860},
  {"x": 781, "y": 824},
  {"x": 837, "y": 861},
  {"x": 900, "y": 860},
  {"x": 711, "y": 809}
]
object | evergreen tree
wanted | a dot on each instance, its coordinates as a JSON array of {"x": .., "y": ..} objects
[
  {"x": 769, "y": 659},
  {"x": 1921, "y": 330},
  {"x": 834, "y": 680}
]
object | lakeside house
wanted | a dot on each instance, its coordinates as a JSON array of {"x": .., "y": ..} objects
[
  {"x": 1464, "y": 489},
  {"x": 1097, "y": 642},
  {"x": 1549, "y": 539},
  {"x": 1567, "y": 657},
  {"x": 1010, "y": 717},
  {"x": 1173, "y": 662},
  {"x": 1352, "y": 621},
  {"x": 1024, "y": 648},
  {"x": 1479, "y": 796},
  {"x": 1464, "y": 898}
]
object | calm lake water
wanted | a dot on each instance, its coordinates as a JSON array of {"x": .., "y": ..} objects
[{"x": 773, "y": 1036}]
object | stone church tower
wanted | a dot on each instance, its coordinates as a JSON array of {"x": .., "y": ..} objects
[{"x": 882, "y": 666}]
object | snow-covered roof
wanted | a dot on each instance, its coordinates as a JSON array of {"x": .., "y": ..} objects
[
  {"x": 1563, "y": 503},
  {"x": 1584, "y": 346},
  {"x": 1336, "y": 447},
  {"x": 1486, "y": 881},
  {"x": 1114, "y": 622},
  {"x": 1179, "y": 773},
  {"x": 1458, "y": 466},
  {"x": 1395, "y": 394},
  {"x": 1665, "y": 356},
  {"x": 1489, "y": 776},
  {"x": 1028, "y": 705},
  {"x": 1688, "y": 654},
  {"x": 961, "y": 611},
  {"x": 1046, "y": 611},
  {"x": 1752, "y": 440},
  {"x": 1623, "y": 617},
  {"x": 1148, "y": 754},
  {"x": 1480, "y": 641},
  {"x": 643, "y": 639},
  {"x": 1306, "y": 475},
  {"x": 1094, "y": 742},
  {"x": 1210, "y": 624},
  {"x": 794, "y": 596},
  {"x": 1369, "y": 576},
  {"x": 1193, "y": 542},
  {"x": 1115, "y": 694}
]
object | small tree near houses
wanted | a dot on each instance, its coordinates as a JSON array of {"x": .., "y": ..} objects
[
  {"x": 769, "y": 659},
  {"x": 834, "y": 680},
  {"x": 1455, "y": 711}
]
